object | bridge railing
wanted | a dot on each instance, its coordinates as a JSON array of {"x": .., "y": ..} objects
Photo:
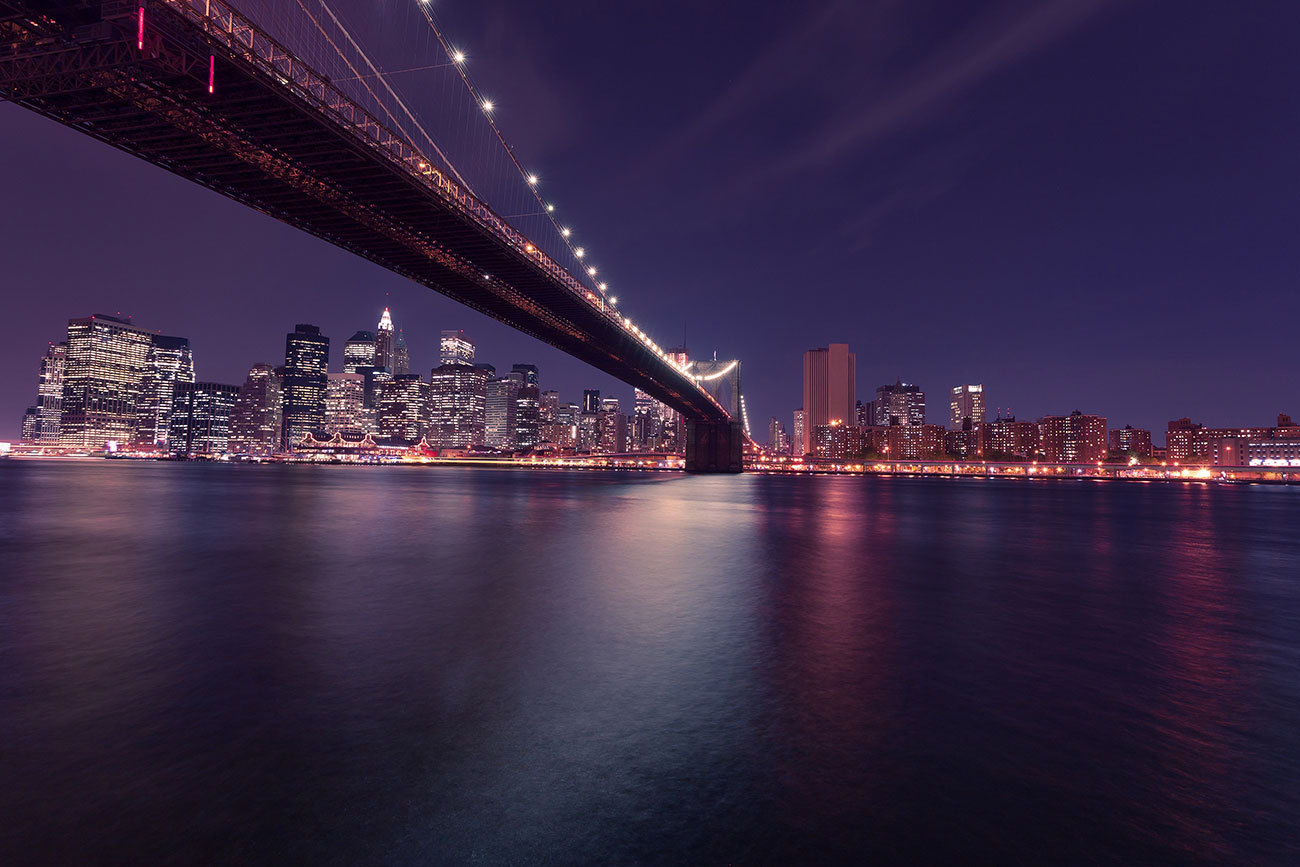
[{"x": 229, "y": 28}]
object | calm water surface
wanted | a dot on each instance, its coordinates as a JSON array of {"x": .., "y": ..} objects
[{"x": 352, "y": 665}]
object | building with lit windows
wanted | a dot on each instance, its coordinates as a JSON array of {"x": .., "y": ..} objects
[
  {"x": 306, "y": 363},
  {"x": 385, "y": 342},
  {"x": 256, "y": 416},
  {"x": 612, "y": 425},
  {"x": 402, "y": 408},
  {"x": 30, "y": 433},
  {"x": 1186, "y": 441},
  {"x": 1073, "y": 439},
  {"x": 527, "y": 409},
  {"x": 899, "y": 404},
  {"x": 564, "y": 432},
  {"x": 1010, "y": 438},
  {"x": 830, "y": 388},
  {"x": 799, "y": 437},
  {"x": 359, "y": 352},
  {"x": 501, "y": 405},
  {"x": 589, "y": 421},
  {"x": 103, "y": 380},
  {"x": 837, "y": 441},
  {"x": 199, "y": 420},
  {"x": 777, "y": 440},
  {"x": 49, "y": 395},
  {"x": 345, "y": 405},
  {"x": 965, "y": 402},
  {"x": 1131, "y": 439},
  {"x": 401, "y": 355},
  {"x": 457, "y": 406},
  {"x": 911, "y": 442},
  {"x": 170, "y": 362},
  {"x": 455, "y": 348}
]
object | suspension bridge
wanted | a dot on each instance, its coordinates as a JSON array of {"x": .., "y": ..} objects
[{"x": 200, "y": 89}]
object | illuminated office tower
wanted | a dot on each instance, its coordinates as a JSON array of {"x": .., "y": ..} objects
[
  {"x": 170, "y": 362},
  {"x": 777, "y": 440},
  {"x": 359, "y": 352},
  {"x": 385, "y": 342},
  {"x": 589, "y": 421},
  {"x": 455, "y": 348},
  {"x": 967, "y": 402},
  {"x": 646, "y": 419},
  {"x": 49, "y": 395},
  {"x": 548, "y": 411},
  {"x": 199, "y": 420},
  {"x": 401, "y": 355},
  {"x": 457, "y": 406},
  {"x": 103, "y": 379},
  {"x": 613, "y": 427},
  {"x": 829, "y": 387},
  {"x": 256, "y": 416},
  {"x": 500, "y": 409},
  {"x": 1073, "y": 439},
  {"x": 306, "y": 362},
  {"x": 527, "y": 407},
  {"x": 899, "y": 404},
  {"x": 564, "y": 432},
  {"x": 345, "y": 405},
  {"x": 402, "y": 408},
  {"x": 799, "y": 445},
  {"x": 31, "y": 425}
]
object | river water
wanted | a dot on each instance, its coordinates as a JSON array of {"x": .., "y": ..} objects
[{"x": 205, "y": 663}]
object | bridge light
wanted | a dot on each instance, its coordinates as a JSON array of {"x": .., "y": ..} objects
[
  {"x": 528, "y": 248},
  {"x": 613, "y": 300},
  {"x": 580, "y": 252},
  {"x": 487, "y": 106},
  {"x": 550, "y": 208},
  {"x": 458, "y": 57},
  {"x": 591, "y": 272},
  {"x": 565, "y": 232},
  {"x": 603, "y": 287},
  {"x": 532, "y": 179}
]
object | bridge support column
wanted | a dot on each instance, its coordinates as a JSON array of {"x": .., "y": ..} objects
[{"x": 714, "y": 447}]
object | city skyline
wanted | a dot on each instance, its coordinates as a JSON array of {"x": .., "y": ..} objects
[{"x": 1009, "y": 290}]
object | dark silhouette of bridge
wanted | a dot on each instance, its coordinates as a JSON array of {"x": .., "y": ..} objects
[{"x": 197, "y": 88}]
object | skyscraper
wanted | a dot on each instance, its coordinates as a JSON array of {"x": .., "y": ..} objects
[
  {"x": 401, "y": 355},
  {"x": 899, "y": 404},
  {"x": 458, "y": 406},
  {"x": 170, "y": 362},
  {"x": 103, "y": 378},
  {"x": 49, "y": 394},
  {"x": 455, "y": 348},
  {"x": 306, "y": 363},
  {"x": 589, "y": 421},
  {"x": 385, "y": 342},
  {"x": 345, "y": 405},
  {"x": 777, "y": 440},
  {"x": 829, "y": 387},
  {"x": 256, "y": 416},
  {"x": 402, "y": 408},
  {"x": 199, "y": 420},
  {"x": 799, "y": 445},
  {"x": 967, "y": 403},
  {"x": 359, "y": 352},
  {"x": 500, "y": 411},
  {"x": 613, "y": 427}
]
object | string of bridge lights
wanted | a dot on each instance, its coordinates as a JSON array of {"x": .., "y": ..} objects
[{"x": 460, "y": 62}]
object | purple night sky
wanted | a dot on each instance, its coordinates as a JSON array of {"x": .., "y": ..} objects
[{"x": 1084, "y": 205}]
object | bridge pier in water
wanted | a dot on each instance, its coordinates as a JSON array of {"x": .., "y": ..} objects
[{"x": 714, "y": 447}]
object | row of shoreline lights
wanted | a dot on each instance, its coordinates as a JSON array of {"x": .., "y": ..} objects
[{"x": 458, "y": 60}]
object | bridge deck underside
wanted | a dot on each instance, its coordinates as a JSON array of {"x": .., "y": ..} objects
[{"x": 257, "y": 142}]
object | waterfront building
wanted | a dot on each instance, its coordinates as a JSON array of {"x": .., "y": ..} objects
[
  {"x": 829, "y": 387},
  {"x": 385, "y": 342},
  {"x": 345, "y": 405},
  {"x": 457, "y": 405},
  {"x": 306, "y": 362},
  {"x": 966, "y": 402},
  {"x": 501, "y": 406},
  {"x": 612, "y": 425},
  {"x": 837, "y": 441},
  {"x": 1272, "y": 452},
  {"x": 1073, "y": 439},
  {"x": 1131, "y": 439},
  {"x": 199, "y": 420},
  {"x": 359, "y": 352},
  {"x": 911, "y": 442},
  {"x": 455, "y": 348},
  {"x": 799, "y": 441},
  {"x": 103, "y": 379},
  {"x": 899, "y": 404},
  {"x": 1010, "y": 438},
  {"x": 1186, "y": 441},
  {"x": 49, "y": 395},
  {"x": 402, "y": 408},
  {"x": 256, "y": 416},
  {"x": 31, "y": 426},
  {"x": 170, "y": 362}
]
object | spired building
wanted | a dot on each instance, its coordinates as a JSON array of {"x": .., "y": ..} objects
[
  {"x": 457, "y": 405},
  {"x": 104, "y": 370},
  {"x": 170, "y": 363},
  {"x": 255, "y": 417},
  {"x": 967, "y": 403},
  {"x": 830, "y": 389},
  {"x": 306, "y": 363},
  {"x": 359, "y": 352},
  {"x": 385, "y": 342},
  {"x": 199, "y": 419}
]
